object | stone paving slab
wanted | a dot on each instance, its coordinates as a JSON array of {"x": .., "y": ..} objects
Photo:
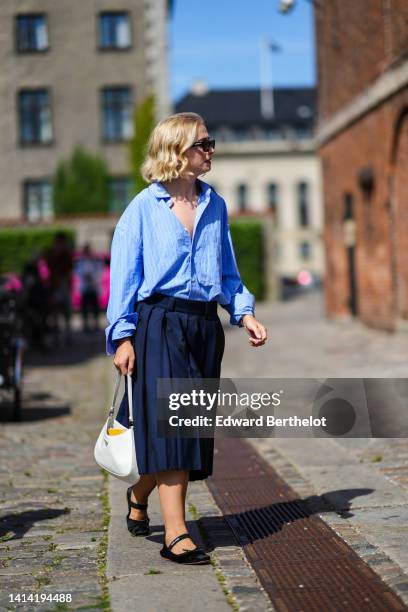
[
  {"x": 342, "y": 478},
  {"x": 139, "y": 577},
  {"x": 233, "y": 568}
]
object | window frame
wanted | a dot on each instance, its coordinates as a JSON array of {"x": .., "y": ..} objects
[
  {"x": 302, "y": 255},
  {"x": 106, "y": 49},
  {"x": 35, "y": 143},
  {"x": 275, "y": 208},
  {"x": 31, "y": 50},
  {"x": 303, "y": 204},
  {"x": 104, "y": 139},
  {"x": 348, "y": 206},
  {"x": 245, "y": 190},
  {"x": 25, "y": 183}
]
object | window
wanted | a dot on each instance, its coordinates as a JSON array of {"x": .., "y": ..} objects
[
  {"x": 305, "y": 250},
  {"x": 31, "y": 33},
  {"x": 121, "y": 192},
  {"x": 117, "y": 113},
  {"x": 223, "y": 133},
  {"x": 348, "y": 207},
  {"x": 256, "y": 132},
  {"x": 242, "y": 196},
  {"x": 114, "y": 31},
  {"x": 34, "y": 117},
  {"x": 288, "y": 132},
  {"x": 240, "y": 133},
  {"x": 37, "y": 200},
  {"x": 303, "y": 204},
  {"x": 273, "y": 195},
  {"x": 273, "y": 133},
  {"x": 303, "y": 132}
]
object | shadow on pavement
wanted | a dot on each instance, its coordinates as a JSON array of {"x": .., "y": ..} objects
[
  {"x": 251, "y": 525},
  {"x": 80, "y": 347},
  {"x": 35, "y": 407},
  {"x": 20, "y": 523}
]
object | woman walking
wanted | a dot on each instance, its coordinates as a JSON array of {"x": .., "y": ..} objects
[{"x": 172, "y": 262}]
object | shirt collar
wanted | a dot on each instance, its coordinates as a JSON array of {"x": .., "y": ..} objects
[{"x": 161, "y": 193}]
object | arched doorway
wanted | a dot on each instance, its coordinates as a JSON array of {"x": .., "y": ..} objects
[{"x": 399, "y": 217}]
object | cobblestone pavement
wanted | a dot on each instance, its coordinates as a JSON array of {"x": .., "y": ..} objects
[{"x": 52, "y": 527}]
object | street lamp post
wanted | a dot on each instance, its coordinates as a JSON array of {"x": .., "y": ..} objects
[{"x": 267, "y": 47}]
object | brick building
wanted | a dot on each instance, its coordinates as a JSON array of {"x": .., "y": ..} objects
[
  {"x": 71, "y": 74},
  {"x": 362, "y": 56}
]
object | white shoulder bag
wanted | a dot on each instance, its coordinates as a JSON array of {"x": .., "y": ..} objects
[{"x": 115, "y": 447}]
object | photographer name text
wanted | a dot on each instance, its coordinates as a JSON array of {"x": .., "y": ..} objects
[{"x": 259, "y": 421}]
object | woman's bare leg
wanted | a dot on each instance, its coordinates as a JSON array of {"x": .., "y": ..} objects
[
  {"x": 140, "y": 495},
  {"x": 172, "y": 485}
]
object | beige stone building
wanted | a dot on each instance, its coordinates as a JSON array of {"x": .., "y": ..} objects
[
  {"x": 71, "y": 74},
  {"x": 268, "y": 164}
]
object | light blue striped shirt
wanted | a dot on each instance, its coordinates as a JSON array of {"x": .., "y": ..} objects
[{"x": 152, "y": 252}]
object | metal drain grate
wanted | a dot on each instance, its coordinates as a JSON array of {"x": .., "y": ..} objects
[{"x": 302, "y": 563}]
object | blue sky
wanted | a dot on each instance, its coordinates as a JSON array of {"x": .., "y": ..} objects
[{"x": 218, "y": 41}]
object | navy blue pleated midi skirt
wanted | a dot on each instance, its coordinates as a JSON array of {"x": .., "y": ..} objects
[{"x": 173, "y": 339}]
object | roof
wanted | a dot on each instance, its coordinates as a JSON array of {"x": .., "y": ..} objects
[{"x": 238, "y": 107}]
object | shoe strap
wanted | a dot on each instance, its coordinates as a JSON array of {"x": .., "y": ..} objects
[
  {"x": 183, "y": 536},
  {"x": 138, "y": 506},
  {"x": 132, "y": 504}
]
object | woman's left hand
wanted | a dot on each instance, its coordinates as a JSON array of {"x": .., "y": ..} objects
[{"x": 258, "y": 334}]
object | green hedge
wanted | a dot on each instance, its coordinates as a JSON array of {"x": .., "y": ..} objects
[
  {"x": 80, "y": 184},
  {"x": 248, "y": 240},
  {"x": 18, "y": 245}
]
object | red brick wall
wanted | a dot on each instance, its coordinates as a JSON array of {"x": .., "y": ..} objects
[
  {"x": 356, "y": 42},
  {"x": 398, "y": 30},
  {"x": 399, "y": 197},
  {"x": 381, "y": 222}
]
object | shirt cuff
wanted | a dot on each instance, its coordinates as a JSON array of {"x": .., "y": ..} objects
[
  {"x": 241, "y": 304},
  {"x": 235, "y": 319},
  {"x": 125, "y": 326}
]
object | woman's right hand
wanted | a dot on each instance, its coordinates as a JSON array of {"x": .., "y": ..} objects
[{"x": 124, "y": 359}]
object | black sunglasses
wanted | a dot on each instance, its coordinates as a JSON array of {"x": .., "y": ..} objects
[{"x": 205, "y": 144}]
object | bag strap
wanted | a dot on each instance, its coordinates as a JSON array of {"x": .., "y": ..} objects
[{"x": 111, "y": 415}]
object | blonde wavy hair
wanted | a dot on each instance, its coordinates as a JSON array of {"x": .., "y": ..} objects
[{"x": 170, "y": 139}]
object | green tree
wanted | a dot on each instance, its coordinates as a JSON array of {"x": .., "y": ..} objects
[
  {"x": 143, "y": 120},
  {"x": 81, "y": 184}
]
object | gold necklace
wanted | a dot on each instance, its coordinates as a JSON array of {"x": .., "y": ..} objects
[{"x": 192, "y": 204}]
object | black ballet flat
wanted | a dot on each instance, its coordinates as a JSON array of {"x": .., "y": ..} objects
[
  {"x": 190, "y": 557},
  {"x": 136, "y": 528}
]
